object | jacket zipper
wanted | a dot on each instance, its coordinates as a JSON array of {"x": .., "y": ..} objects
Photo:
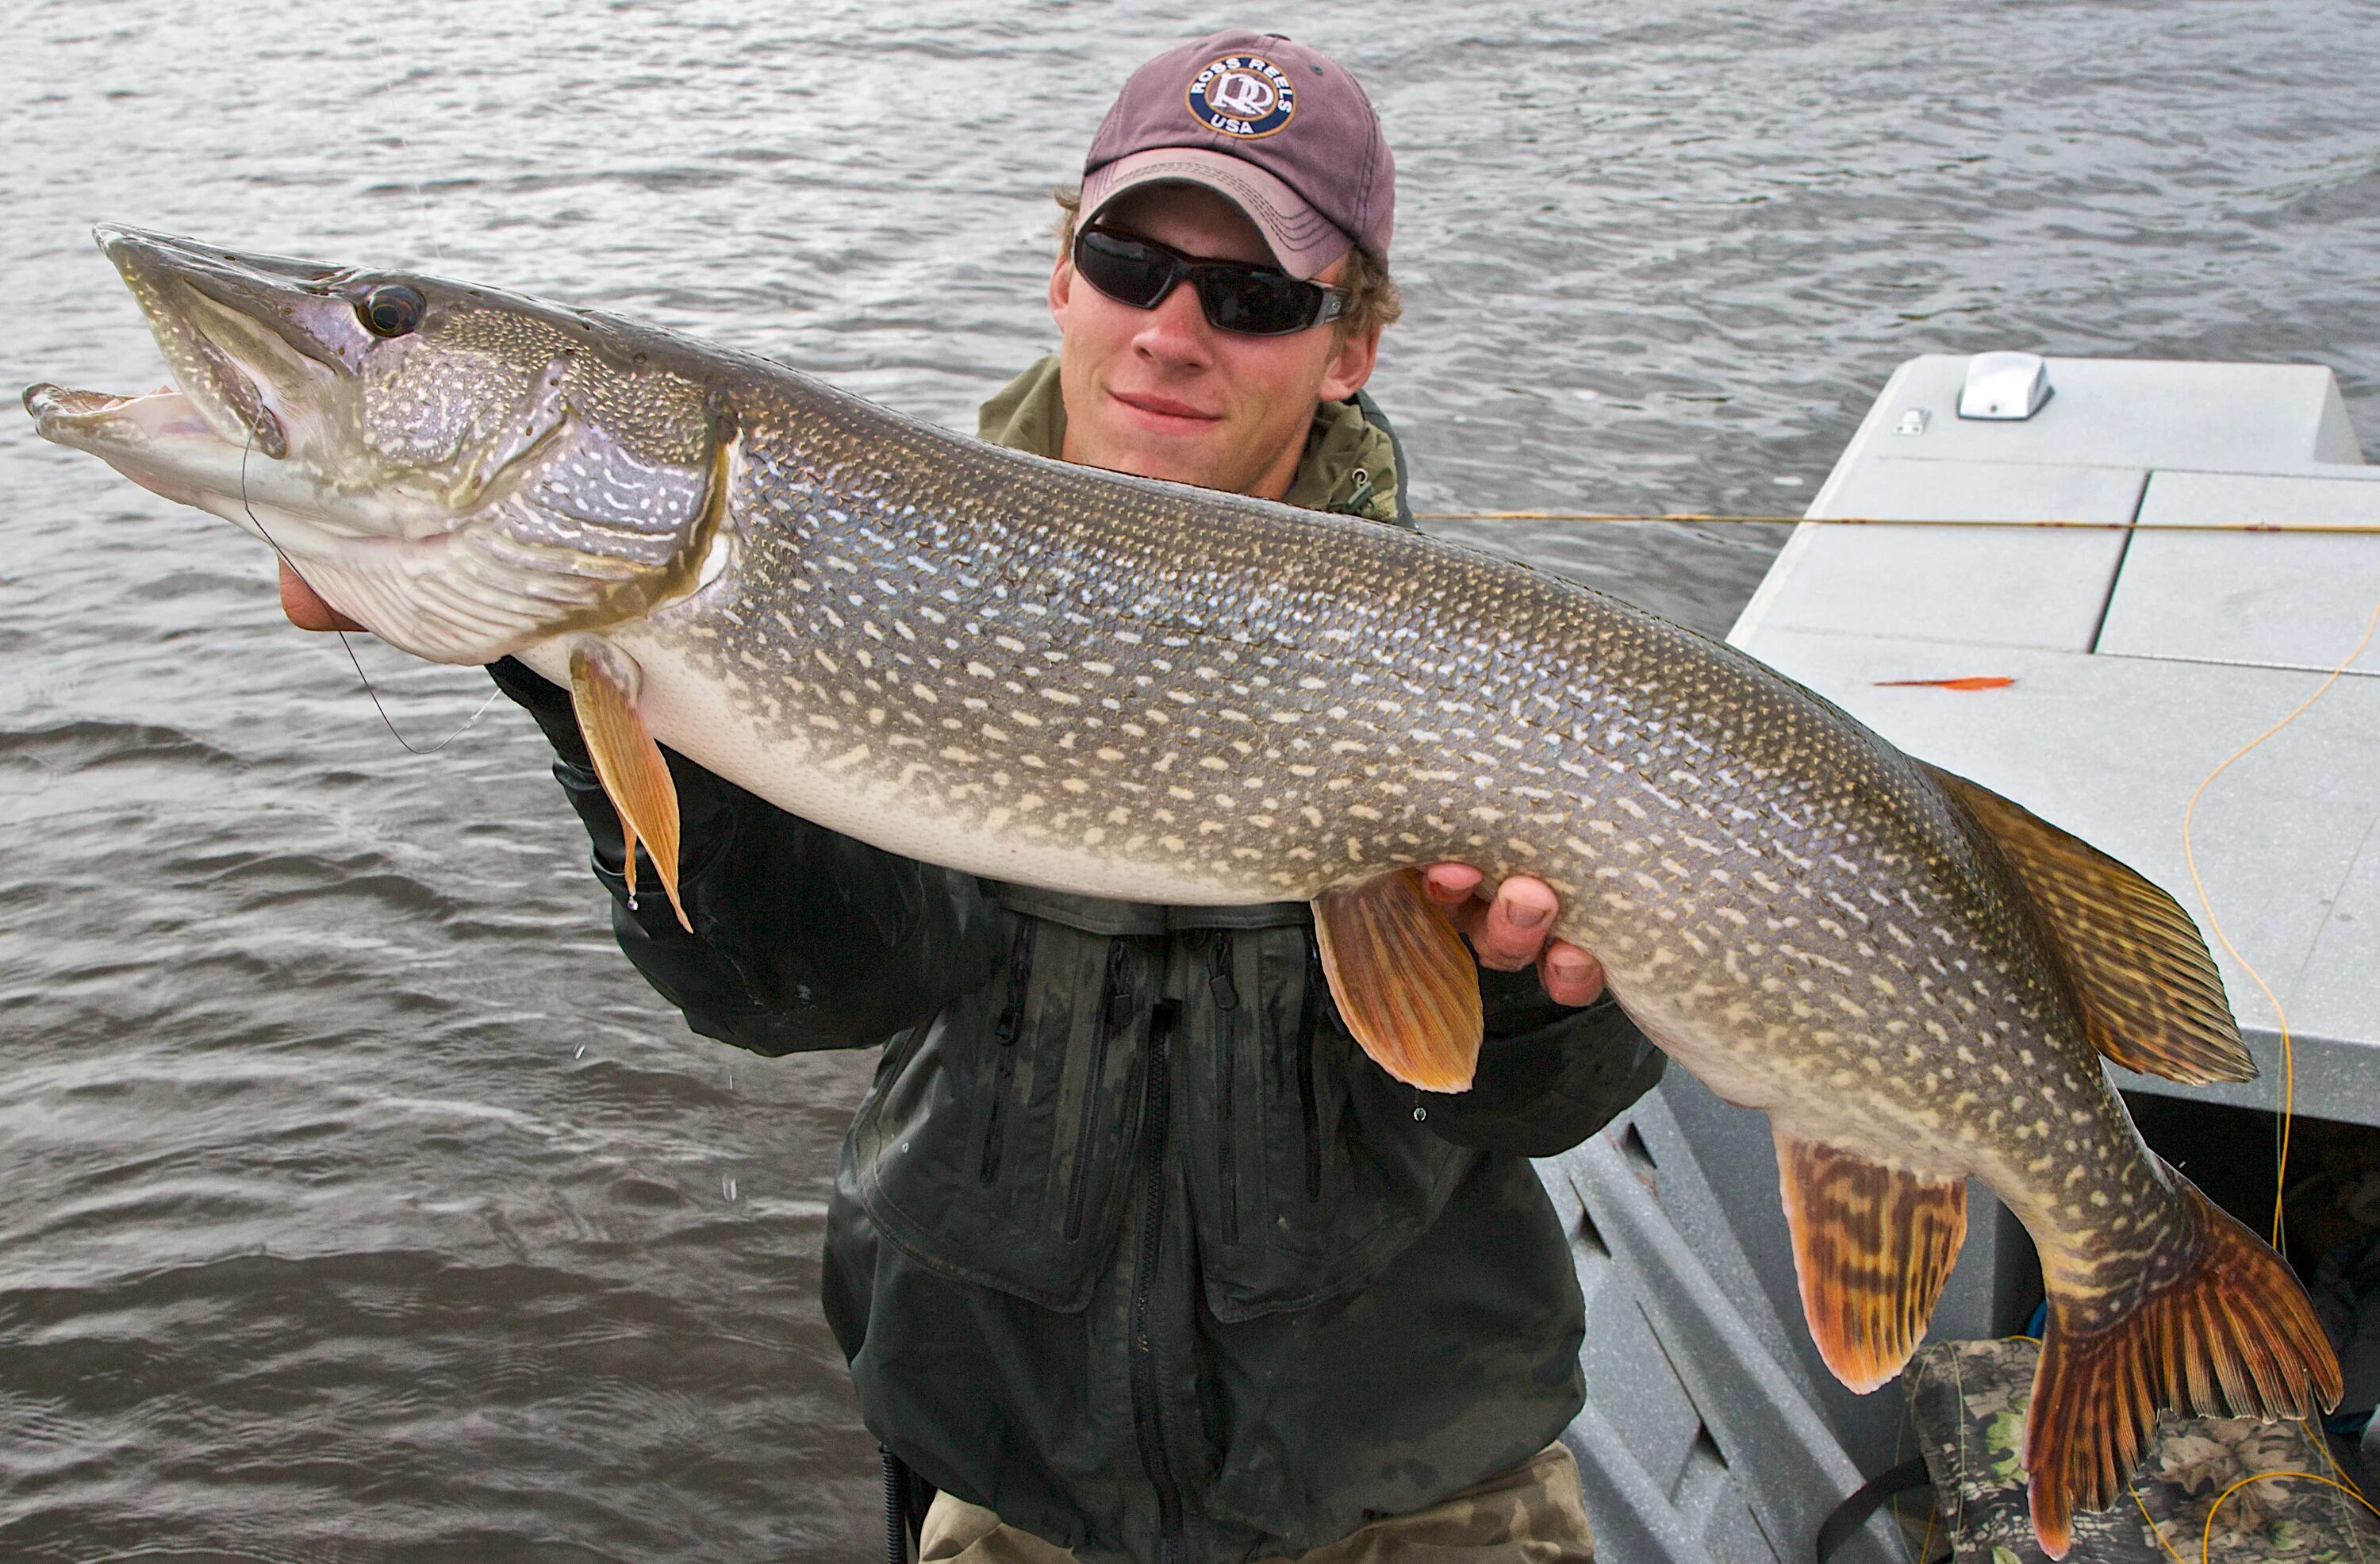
[
  {"x": 1226, "y": 997},
  {"x": 1317, "y": 992},
  {"x": 1145, "y": 1399},
  {"x": 1005, "y": 1032},
  {"x": 1116, "y": 1014}
]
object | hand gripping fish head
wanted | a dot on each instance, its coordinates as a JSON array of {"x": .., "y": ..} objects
[{"x": 1060, "y": 677}]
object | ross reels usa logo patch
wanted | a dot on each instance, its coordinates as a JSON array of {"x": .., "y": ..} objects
[{"x": 1243, "y": 95}]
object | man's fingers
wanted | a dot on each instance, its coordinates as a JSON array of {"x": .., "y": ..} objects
[
  {"x": 1570, "y": 975},
  {"x": 1514, "y": 930},
  {"x": 305, "y": 606},
  {"x": 1517, "y": 923},
  {"x": 1450, "y": 884}
]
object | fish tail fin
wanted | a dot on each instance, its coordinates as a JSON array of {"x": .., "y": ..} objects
[{"x": 2221, "y": 1329}]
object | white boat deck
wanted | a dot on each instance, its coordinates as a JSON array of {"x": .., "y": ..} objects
[
  {"x": 2142, "y": 653},
  {"x": 2142, "y": 658}
]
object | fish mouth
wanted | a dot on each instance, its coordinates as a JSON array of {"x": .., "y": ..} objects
[
  {"x": 86, "y": 418},
  {"x": 250, "y": 341},
  {"x": 262, "y": 352}
]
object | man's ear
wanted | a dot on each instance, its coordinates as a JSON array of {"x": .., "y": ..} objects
[
  {"x": 1350, "y": 365},
  {"x": 1061, "y": 289}
]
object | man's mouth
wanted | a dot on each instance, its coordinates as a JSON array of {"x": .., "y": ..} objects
[{"x": 1164, "y": 414}]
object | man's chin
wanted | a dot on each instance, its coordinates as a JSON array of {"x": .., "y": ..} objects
[{"x": 1185, "y": 459}]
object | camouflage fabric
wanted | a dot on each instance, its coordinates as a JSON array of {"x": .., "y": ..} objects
[
  {"x": 1967, "y": 1402},
  {"x": 1533, "y": 1514}
]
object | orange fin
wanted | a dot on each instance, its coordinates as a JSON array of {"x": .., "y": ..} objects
[
  {"x": 1873, "y": 1246},
  {"x": 2151, "y": 997},
  {"x": 1407, "y": 985},
  {"x": 2223, "y": 1329},
  {"x": 604, "y": 690}
]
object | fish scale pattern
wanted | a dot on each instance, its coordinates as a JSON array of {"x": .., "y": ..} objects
[{"x": 1241, "y": 702}]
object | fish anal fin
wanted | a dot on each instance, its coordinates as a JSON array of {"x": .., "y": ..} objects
[
  {"x": 1407, "y": 987},
  {"x": 603, "y": 683},
  {"x": 2223, "y": 1331},
  {"x": 1872, "y": 1246},
  {"x": 2151, "y": 996}
]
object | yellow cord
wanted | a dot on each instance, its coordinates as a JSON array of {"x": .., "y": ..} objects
[
  {"x": 2207, "y": 1539},
  {"x": 2154, "y": 1530},
  {"x": 2322, "y": 1443},
  {"x": 2059, "y": 523},
  {"x": 2190, "y": 858}
]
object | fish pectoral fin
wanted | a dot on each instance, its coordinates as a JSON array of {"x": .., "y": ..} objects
[
  {"x": 1873, "y": 1246},
  {"x": 603, "y": 682},
  {"x": 2152, "y": 999},
  {"x": 2216, "y": 1327},
  {"x": 1407, "y": 987}
]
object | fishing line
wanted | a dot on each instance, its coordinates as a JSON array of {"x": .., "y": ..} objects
[
  {"x": 2189, "y": 858},
  {"x": 348, "y": 647},
  {"x": 2047, "y": 523}
]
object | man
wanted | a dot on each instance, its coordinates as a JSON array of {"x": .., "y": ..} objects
[{"x": 1133, "y": 1252}]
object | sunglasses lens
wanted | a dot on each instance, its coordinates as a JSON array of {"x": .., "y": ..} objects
[
  {"x": 1124, "y": 269},
  {"x": 1252, "y": 300},
  {"x": 1257, "y": 303}
]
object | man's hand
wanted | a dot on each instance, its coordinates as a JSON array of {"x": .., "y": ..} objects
[
  {"x": 1513, "y": 931},
  {"x": 306, "y": 608}
]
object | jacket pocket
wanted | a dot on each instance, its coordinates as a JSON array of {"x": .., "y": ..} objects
[{"x": 995, "y": 1145}]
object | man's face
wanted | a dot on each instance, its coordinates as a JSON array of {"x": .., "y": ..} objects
[{"x": 1162, "y": 394}]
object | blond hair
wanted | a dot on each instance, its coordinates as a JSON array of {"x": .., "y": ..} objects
[{"x": 1372, "y": 297}]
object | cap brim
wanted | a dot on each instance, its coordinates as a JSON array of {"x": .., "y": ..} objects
[{"x": 1301, "y": 239}]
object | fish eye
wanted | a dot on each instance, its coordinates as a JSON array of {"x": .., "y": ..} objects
[{"x": 392, "y": 310}]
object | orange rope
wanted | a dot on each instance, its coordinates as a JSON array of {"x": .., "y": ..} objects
[{"x": 2190, "y": 858}]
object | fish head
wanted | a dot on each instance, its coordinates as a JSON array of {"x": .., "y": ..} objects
[{"x": 464, "y": 472}]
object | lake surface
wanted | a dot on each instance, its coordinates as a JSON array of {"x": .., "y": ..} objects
[{"x": 357, "y": 1202}]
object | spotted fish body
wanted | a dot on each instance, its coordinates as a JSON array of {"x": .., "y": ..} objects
[
  {"x": 1137, "y": 690},
  {"x": 1105, "y": 685}
]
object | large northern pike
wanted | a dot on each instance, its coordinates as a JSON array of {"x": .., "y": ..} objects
[{"x": 1053, "y": 674}]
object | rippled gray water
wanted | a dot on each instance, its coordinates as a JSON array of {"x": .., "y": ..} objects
[{"x": 356, "y": 1202}]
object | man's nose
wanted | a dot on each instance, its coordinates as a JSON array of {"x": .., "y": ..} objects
[{"x": 1176, "y": 331}]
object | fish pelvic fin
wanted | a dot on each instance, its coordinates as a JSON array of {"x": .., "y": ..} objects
[
  {"x": 2151, "y": 997},
  {"x": 603, "y": 681},
  {"x": 2221, "y": 1329},
  {"x": 1406, "y": 985},
  {"x": 1872, "y": 1246}
]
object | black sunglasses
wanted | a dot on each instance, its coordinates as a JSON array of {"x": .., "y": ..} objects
[{"x": 1252, "y": 300}]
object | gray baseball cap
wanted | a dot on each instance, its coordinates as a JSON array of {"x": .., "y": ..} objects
[{"x": 1281, "y": 130}]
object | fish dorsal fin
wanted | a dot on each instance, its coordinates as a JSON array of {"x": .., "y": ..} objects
[
  {"x": 2151, "y": 997},
  {"x": 1873, "y": 1246},
  {"x": 603, "y": 682},
  {"x": 1406, "y": 985}
]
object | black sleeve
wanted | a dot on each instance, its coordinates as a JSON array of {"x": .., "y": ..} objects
[
  {"x": 803, "y": 939},
  {"x": 1550, "y": 1075}
]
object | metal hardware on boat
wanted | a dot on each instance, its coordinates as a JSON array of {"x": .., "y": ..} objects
[{"x": 2004, "y": 385}]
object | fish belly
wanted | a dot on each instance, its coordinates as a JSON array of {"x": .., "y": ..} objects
[{"x": 837, "y": 778}]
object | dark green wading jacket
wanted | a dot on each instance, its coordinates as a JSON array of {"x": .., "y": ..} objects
[{"x": 1129, "y": 1242}]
